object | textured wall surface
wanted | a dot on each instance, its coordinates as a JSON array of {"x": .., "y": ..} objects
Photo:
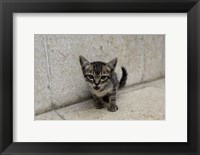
[
  {"x": 42, "y": 97},
  {"x": 58, "y": 76}
]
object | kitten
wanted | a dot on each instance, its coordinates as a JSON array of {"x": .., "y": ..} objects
[{"x": 103, "y": 82}]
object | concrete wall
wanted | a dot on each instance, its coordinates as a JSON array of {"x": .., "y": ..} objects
[{"x": 58, "y": 77}]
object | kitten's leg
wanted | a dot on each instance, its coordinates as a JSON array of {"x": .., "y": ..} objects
[
  {"x": 112, "y": 102},
  {"x": 98, "y": 102}
]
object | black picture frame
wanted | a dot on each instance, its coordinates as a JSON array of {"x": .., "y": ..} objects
[{"x": 8, "y": 7}]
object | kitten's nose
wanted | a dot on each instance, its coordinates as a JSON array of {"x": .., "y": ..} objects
[{"x": 96, "y": 83}]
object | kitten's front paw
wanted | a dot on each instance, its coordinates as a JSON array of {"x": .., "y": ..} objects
[
  {"x": 99, "y": 105},
  {"x": 113, "y": 108}
]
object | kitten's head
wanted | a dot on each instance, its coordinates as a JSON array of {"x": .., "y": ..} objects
[{"x": 97, "y": 73}]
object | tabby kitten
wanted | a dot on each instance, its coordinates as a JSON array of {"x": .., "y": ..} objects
[{"x": 103, "y": 82}]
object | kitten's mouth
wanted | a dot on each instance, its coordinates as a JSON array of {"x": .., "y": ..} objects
[{"x": 96, "y": 88}]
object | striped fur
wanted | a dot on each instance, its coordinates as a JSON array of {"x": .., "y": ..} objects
[
  {"x": 123, "y": 78},
  {"x": 103, "y": 82}
]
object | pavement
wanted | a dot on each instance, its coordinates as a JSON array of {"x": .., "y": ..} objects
[{"x": 145, "y": 101}]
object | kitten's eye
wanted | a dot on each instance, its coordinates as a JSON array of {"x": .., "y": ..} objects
[
  {"x": 104, "y": 78},
  {"x": 90, "y": 77}
]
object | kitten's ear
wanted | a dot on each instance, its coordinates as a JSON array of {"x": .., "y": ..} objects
[
  {"x": 112, "y": 64},
  {"x": 83, "y": 61}
]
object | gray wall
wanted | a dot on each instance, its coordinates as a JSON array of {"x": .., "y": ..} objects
[{"x": 58, "y": 77}]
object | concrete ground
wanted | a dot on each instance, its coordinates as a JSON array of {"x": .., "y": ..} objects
[{"x": 140, "y": 102}]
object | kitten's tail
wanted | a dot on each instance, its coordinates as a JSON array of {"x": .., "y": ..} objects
[{"x": 123, "y": 78}]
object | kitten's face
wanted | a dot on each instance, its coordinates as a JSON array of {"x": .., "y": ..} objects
[{"x": 97, "y": 74}]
